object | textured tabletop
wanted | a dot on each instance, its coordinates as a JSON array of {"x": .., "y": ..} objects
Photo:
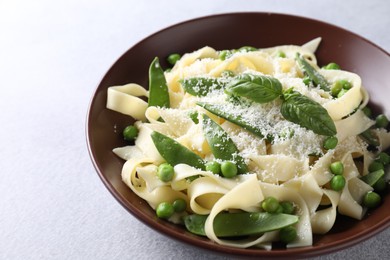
[{"x": 52, "y": 56}]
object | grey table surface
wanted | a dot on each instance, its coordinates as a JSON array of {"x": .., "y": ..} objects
[{"x": 52, "y": 56}]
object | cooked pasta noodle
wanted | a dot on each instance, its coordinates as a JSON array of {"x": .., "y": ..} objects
[{"x": 293, "y": 166}]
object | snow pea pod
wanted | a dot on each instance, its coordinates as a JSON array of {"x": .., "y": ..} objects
[
  {"x": 200, "y": 86},
  {"x": 312, "y": 73},
  {"x": 218, "y": 110},
  {"x": 240, "y": 224},
  {"x": 370, "y": 137},
  {"x": 221, "y": 145},
  {"x": 158, "y": 89},
  {"x": 175, "y": 153},
  {"x": 372, "y": 177}
]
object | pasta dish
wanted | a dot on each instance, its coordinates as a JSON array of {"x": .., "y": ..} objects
[{"x": 253, "y": 146}]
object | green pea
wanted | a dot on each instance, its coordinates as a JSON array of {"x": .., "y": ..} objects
[
  {"x": 179, "y": 205},
  {"x": 371, "y": 199},
  {"x": 279, "y": 210},
  {"x": 335, "y": 90},
  {"x": 165, "y": 172},
  {"x": 164, "y": 210},
  {"x": 270, "y": 204},
  {"x": 332, "y": 66},
  {"x": 380, "y": 185},
  {"x": 342, "y": 93},
  {"x": 383, "y": 158},
  {"x": 287, "y": 234},
  {"x": 375, "y": 166},
  {"x": 223, "y": 55},
  {"x": 330, "y": 142},
  {"x": 229, "y": 169},
  {"x": 337, "y": 183},
  {"x": 173, "y": 58},
  {"x": 288, "y": 207},
  {"x": 381, "y": 121},
  {"x": 281, "y": 54},
  {"x": 367, "y": 111},
  {"x": 214, "y": 167},
  {"x": 337, "y": 168},
  {"x": 247, "y": 49},
  {"x": 130, "y": 133}
]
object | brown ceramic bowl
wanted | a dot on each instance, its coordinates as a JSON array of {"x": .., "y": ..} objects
[{"x": 228, "y": 31}]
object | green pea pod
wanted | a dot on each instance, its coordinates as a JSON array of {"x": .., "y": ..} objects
[
  {"x": 221, "y": 145},
  {"x": 372, "y": 177},
  {"x": 240, "y": 224},
  {"x": 312, "y": 73},
  {"x": 158, "y": 89},
  {"x": 301, "y": 110},
  {"x": 218, "y": 110},
  {"x": 369, "y": 137},
  {"x": 199, "y": 86},
  {"x": 175, "y": 153},
  {"x": 258, "y": 88}
]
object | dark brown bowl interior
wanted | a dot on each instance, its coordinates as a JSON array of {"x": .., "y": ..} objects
[{"x": 230, "y": 31}]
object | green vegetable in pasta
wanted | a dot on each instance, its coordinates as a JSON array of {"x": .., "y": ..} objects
[
  {"x": 307, "y": 113},
  {"x": 214, "y": 167},
  {"x": 342, "y": 93},
  {"x": 238, "y": 120},
  {"x": 332, "y": 66},
  {"x": 221, "y": 144},
  {"x": 179, "y": 205},
  {"x": 270, "y": 204},
  {"x": 247, "y": 49},
  {"x": 229, "y": 169},
  {"x": 383, "y": 158},
  {"x": 312, "y": 73},
  {"x": 158, "y": 89},
  {"x": 330, "y": 142},
  {"x": 240, "y": 224},
  {"x": 337, "y": 182},
  {"x": 288, "y": 234},
  {"x": 175, "y": 153},
  {"x": 337, "y": 168},
  {"x": 173, "y": 58},
  {"x": 380, "y": 185},
  {"x": 367, "y": 111},
  {"x": 288, "y": 207},
  {"x": 371, "y": 199},
  {"x": 381, "y": 121},
  {"x": 281, "y": 54},
  {"x": 194, "y": 116},
  {"x": 165, "y": 172},
  {"x": 164, "y": 210},
  {"x": 370, "y": 137},
  {"x": 376, "y": 166},
  {"x": 130, "y": 133},
  {"x": 200, "y": 86},
  {"x": 260, "y": 89},
  {"x": 307, "y": 81},
  {"x": 372, "y": 177}
]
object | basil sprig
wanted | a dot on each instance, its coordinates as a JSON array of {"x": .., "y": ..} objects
[
  {"x": 307, "y": 113},
  {"x": 260, "y": 89},
  {"x": 295, "y": 108},
  {"x": 312, "y": 73}
]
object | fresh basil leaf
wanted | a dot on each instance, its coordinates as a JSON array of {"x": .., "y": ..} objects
[
  {"x": 260, "y": 89},
  {"x": 312, "y": 73},
  {"x": 200, "y": 86},
  {"x": 307, "y": 113}
]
